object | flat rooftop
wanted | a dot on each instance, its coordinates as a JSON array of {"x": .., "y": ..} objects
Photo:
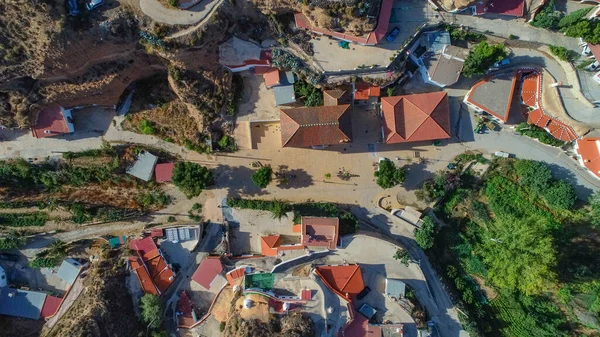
[{"x": 494, "y": 94}]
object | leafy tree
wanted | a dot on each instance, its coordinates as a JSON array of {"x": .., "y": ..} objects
[
  {"x": 594, "y": 202},
  {"x": 279, "y": 209},
  {"x": 573, "y": 17},
  {"x": 403, "y": 256},
  {"x": 58, "y": 248},
  {"x": 263, "y": 176},
  {"x": 561, "y": 52},
  {"x": 389, "y": 175},
  {"x": 425, "y": 235},
  {"x": 482, "y": 57},
  {"x": 548, "y": 17},
  {"x": 151, "y": 310},
  {"x": 519, "y": 254},
  {"x": 312, "y": 95},
  {"x": 534, "y": 175},
  {"x": 583, "y": 28},
  {"x": 227, "y": 143},
  {"x": 191, "y": 178},
  {"x": 561, "y": 195}
]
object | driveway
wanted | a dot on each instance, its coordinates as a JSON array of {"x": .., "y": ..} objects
[{"x": 172, "y": 16}]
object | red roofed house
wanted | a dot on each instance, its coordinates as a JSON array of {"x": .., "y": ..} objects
[
  {"x": 208, "y": 275},
  {"x": 320, "y": 232},
  {"x": 315, "y": 126},
  {"x": 271, "y": 77},
  {"x": 51, "y": 306},
  {"x": 53, "y": 121},
  {"x": 163, "y": 172},
  {"x": 588, "y": 154},
  {"x": 344, "y": 280},
  {"x": 151, "y": 268},
  {"x": 336, "y": 97},
  {"x": 506, "y": 7},
  {"x": 235, "y": 275},
  {"x": 371, "y": 39},
  {"x": 239, "y": 55},
  {"x": 366, "y": 92},
  {"x": 417, "y": 117}
]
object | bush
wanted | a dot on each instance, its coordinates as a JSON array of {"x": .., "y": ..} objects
[
  {"x": 573, "y": 17},
  {"x": 561, "y": 195},
  {"x": 146, "y": 127},
  {"x": 227, "y": 143},
  {"x": 561, "y": 52},
  {"x": 191, "y": 178},
  {"x": 44, "y": 262},
  {"x": 311, "y": 95},
  {"x": 222, "y": 326},
  {"x": 173, "y": 3},
  {"x": 388, "y": 175},
  {"x": 11, "y": 242},
  {"x": 263, "y": 177},
  {"x": 482, "y": 57},
  {"x": 539, "y": 134},
  {"x": 151, "y": 310},
  {"x": 425, "y": 235},
  {"x": 23, "y": 219}
]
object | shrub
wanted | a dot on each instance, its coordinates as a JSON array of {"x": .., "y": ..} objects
[
  {"x": 146, "y": 127},
  {"x": 388, "y": 175},
  {"x": 11, "y": 242},
  {"x": 191, "y": 178},
  {"x": 561, "y": 52},
  {"x": 539, "y": 134},
  {"x": 171, "y": 219},
  {"x": 573, "y": 17},
  {"x": 23, "y": 219},
  {"x": 173, "y": 3},
  {"x": 227, "y": 143},
  {"x": 312, "y": 95},
  {"x": 222, "y": 326},
  {"x": 560, "y": 195},
  {"x": 547, "y": 18},
  {"x": 263, "y": 176}
]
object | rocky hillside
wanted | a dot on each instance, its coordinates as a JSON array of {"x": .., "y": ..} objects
[{"x": 290, "y": 325}]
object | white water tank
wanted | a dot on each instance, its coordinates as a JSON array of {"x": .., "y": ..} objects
[
  {"x": 3, "y": 279},
  {"x": 286, "y": 306},
  {"x": 247, "y": 303}
]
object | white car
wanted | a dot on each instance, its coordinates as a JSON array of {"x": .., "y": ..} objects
[
  {"x": 586, "y": 51},
  {"x": 593, "y": 66},
  {"x": 502, "y": 154}
]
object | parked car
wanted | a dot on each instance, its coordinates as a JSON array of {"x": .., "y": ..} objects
[
  {"x": 586, "y": 51},
  {"x": 392, "y": 35},
  {"x": 502, "y": 63},
  {"x": 502, "y": 154},
  {"x": 363, "y": 293},
  {"x": 593, "y": 66},
  {"x": 93, "y": 4}
]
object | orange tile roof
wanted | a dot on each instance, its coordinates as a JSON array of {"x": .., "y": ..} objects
[
  {"x": 50, "y": 122},
  {"x": 235, "y": 275},
  {"x": 143, "y": 245},
  {"x": 530, "y": 89},
  {"x": 363, "y": 91},
  {"x": 269, "y": 245},
  {"x": 311, "y": 126},
  {"x": 297, "y": 228},
  {"x": 332, "y": 97},
  {"x": 143, "y": 277},
  {"x": 344, "y": 280},
  {"x": 589, "y": 150},
  {"x": 318, "y": 231},
  {"x": 271, "y": 77},
  {"x": 561, "y": 131},
  {"x": 416, "y": 117},
  {"x": 595, "y": 49}
]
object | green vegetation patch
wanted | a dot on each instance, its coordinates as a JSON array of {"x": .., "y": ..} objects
[
  {"x": 482, "y": 57},
  {"x": 539, "y": 134},
  {"x": 23, "y": 219}
]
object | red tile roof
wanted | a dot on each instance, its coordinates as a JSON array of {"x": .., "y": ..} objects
[
  {"x": 262, "y": 70},
  {"x": 311, "y": 126},
  {"x": 269, "y": 245},
  {"x": 271, "y": 77},
  {"x": 333, "y": 97},
  {"x": 235, "y": 275},
  {"x": 595, "y": 49},
  {"x": 374, "y": 37},
  {"x": 306, "y": 295},
  {"x": 50, "y": 122},
  {"x": 537, "y": 118},
  {"x": 320, "y": 232},
  {"x": 589, "y": 150},
  {"x": 51, "y": 306},
  {"x": 416, "y": 117},
  {"x": 530, "y": 89},
  {"x": 143, "y": 246},
  {"x": 163, "y": 172},
  {"x": 561, "y": 131},
  {"x": 157, "y": 233},
  {"x": 363, "y": 91},
  {"x": 207, "y": 271},
  {"x": 344, "y": 280},
  {"x": 506, "y": 7}
]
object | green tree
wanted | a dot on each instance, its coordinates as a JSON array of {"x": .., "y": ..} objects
[
  {"x": 263, "y": 176},
  {"x": 388, "y": 175},
  {"x": 191, "y": 178},
  {"x": 11, "y": 242},
  {"x": 583, "y": 28},
  {"x": 402, "y": 255},
  {"x": 534, "y": 175},
  {"x": 573, "y": 17},
  {"x": 151, "y": 310},
  {"x": 279, "y": 209},
  {"x": 425, "y": 235},
  {"x": 561, "y": 52},
  {"x": 594, "y": 202},
  {"x": 482, "y": 57},
  {"x": 520, "y": 254},
  {"x": 548, "y": 17},
  {"x": 560, "y": 195}
]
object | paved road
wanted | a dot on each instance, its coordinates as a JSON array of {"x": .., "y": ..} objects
[{"x": 172, "y": 16}]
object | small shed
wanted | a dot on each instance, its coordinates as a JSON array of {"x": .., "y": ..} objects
[
  {"x": 68, "y": 271},
  {"x": 117, "y": 241},
  {"x": 21, "y": 303},
  {"x": 394, "y": 288},
  {"x": 157, "y": 233},
  {"x": 143, "y": 168}
]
